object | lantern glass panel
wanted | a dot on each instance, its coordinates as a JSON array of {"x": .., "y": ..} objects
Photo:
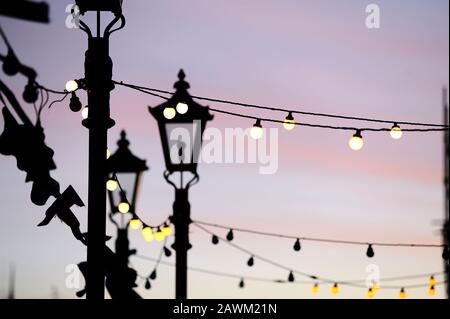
[{"x": 184, "y": 142}]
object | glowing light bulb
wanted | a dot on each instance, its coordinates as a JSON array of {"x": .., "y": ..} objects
[
  {"x": 315, "y": 288},
  {"x": 85, "y": 112},
  {"x": 124, "y": 207},
  {"x": 432, "y": 291},
  {"x": 335, "y": 289},
  {"x": 167, "y": 230},
  {"x": 169, "y": 113},
  {"x": 135, "y": 223},
  {"x": 159, "y": 235},
  {"x": 147, "y": 233},
  {"x": 182, "y": 108},
  {"x": 111, "y": 185},
  {"x": 370, "y": 293},
  {"x": 402, "y": 293},
  {"x": 396, "y": 132},
  {"x": 289, "y": 123},
  {"x": 356, "y": 142},
  {"x": 432, "y": 281},
  {"x": 256, "y": 131},
  {"x": 71, "y": 86}
]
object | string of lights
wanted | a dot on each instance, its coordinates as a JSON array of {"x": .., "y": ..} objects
[
  {"x": 297, "y": 245},
  {"x": 356, "y": 141},
  {"x": 149, "y": 232},
  {"x": 432, "y": 281}
]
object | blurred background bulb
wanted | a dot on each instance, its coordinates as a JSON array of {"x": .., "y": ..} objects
[
  {"x": 289, "y": 123},
  {"x": 167, "y": 230},
  {"x": 256, "y": 131},
  {"x": 432, "y": 291},
  {"x": 402, "y": 293},
  {"x": 335, "y": 289},
  {"x": 432, "y": 281},
  {"x": 124, "y": 207},
  {"x": 135, "y": 223},
  {"x": 356, "y": 142},
  {"x": 169, "y": 113},
  {"x": 147, "y": 233},
  {"x": 71, "y": 86},
  {"x": 182, "y": 108},
  {"x": 396, "y": 132},
  {"x": 370, "y": 293},
  {"x": 111, "y": 185},
  {"x": 315, "y": 288},
  {"x": 159, "y": 235}
]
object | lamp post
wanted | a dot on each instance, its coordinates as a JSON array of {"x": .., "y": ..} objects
[
  {"x": 181, "y": 123},
  {"x": 126, "y": 169},
  {"x": 98, "y": 84}
]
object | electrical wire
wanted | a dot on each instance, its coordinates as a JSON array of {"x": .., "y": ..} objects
[{"x": 347, "y": 242}]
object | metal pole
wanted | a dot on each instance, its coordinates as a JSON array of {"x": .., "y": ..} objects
[
  {"x": 181, "y": 220},
  {"x": 98, "y": 77},
  {"x": 446, "y": 185}
]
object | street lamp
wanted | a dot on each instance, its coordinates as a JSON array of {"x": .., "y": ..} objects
[
  {"x": 125, "y": 173},
  {"x": 181, "y": 123}
]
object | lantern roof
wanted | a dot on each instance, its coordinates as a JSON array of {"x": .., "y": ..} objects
[{"x": 123, "y": 161}]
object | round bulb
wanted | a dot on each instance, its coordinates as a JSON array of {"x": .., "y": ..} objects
[
  {"x": 396, "y": 132},
  {"x": 111, "y": 185},
  {"x": 135, "y": 223},
  {"x": 335, "y": 289},
  {"x": 402, "y": 293},
  {"x": 356, "y": 142},
  {"x": 432, "y": 291},
  {"x": 182, "y": 108},
  {"x": 289, "y": 123},
  {"x": 315, "y": 288},
  {"x": 167, "y": 230},
  {"x": 432, "y": 281},
  {"x": 370, "y": 293},
  {"x": 71, "y": 86},
  {"x": 169, "y": 113},
  {"x": 85, "y": 112},
  {"x": 124, "y": 207},
  {"x": 159, "y": 235},
  {"x": 256, "y": 131},
  {"x": 147, "y": 233}
]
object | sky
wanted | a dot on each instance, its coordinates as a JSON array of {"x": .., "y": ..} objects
[{"x": 316, "y": 56}]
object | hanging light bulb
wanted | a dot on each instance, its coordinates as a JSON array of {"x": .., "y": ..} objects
[
  {"x": 159, "y": 235},
  {"x": 153, "y": 275},
  {"x": 315, "y": 288},
  {"x": 445, "y": 253},
  {"x": 147, "y": 233},
  {"x": 289, "y": 122},
  {"x": 402, "y": 293},
  {"x": 124, "y": 207},
  {"x": 370, "y": 293},
  {"x": 335, "y": 289},
  {"x": 291, "y": 277},
  {"x": 169, "y": 113},
  {"x": 85, "y": 112},
  {"x": 256, "y": 131},
  {"x": 432, "y": 291},
  {"x": 396, "y": 132},
  {"x": 215, "y": 240},
  {"x": 148, "y": 285},
  {"x": 135, "y": 223},
  {"x": 167, "y": 230},
  {"x": 356, "y": 142},
  {"x": 370, "y": 253},
  {"x": 242, "y": 283},
  {"x": 182, "y": 108},
  {"x": 251, "y": 262},
  {"x": 432, "y": 281},
  {"x": 112, "y": 184},
  {"x": 71, "y": 86},
  {"x": 167, "y": 252},
  {"x": 230, "y": 235},
  {"x": 75, "y": 104},
  {"x": 297, "y": 245}
]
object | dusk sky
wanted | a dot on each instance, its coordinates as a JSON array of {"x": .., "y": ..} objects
[{"x": 309, "y": 55}]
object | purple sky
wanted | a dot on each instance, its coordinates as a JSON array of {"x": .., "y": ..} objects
[{"x": 308, "y": 55}]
